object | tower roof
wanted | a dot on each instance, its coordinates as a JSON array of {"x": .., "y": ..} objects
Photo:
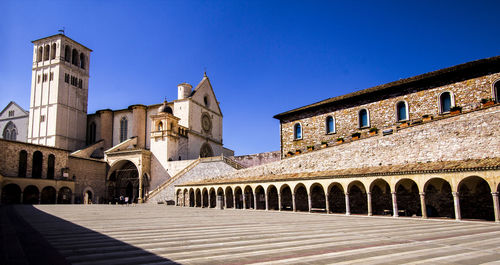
[{"x": 62, "y": 35}]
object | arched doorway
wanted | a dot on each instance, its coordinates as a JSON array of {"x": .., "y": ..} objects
[
  {"x": 238, "y": 198},
  {"x": 212, "y": 198},
  {"x": 357, "y": 198},
  {"x": 48, "y": 195},
  {"x": 318, "y": 200},
  {"x": 31, "y": 195},
  {"x": 87, "y": 197},
  {"x": 272, "y": 198},
  {"x": 408, "y": 198},
  {"x": 476, "y": 201},
  {"x": 301, "y": 199},
  {"x": 123, "y": 181},
  {"x": 381, "y": 197},
  {"x": 178, "y": 197},
  {"x": 249, "y": 198},
  {"x": 286, "y": 198},
  {"x": 191, "y": 198},
  {"x": 229, "y": 198},
  {"x": 206, "y": 150},
  {"x": 205, "y": 198},
  {"x": 198, "y": 198},
  {"x": 220, "y": 195},
  {"x": 336, "y": 198},
  {"x": 438, "y": 198},
  {"x": 185, "y": 195},
  {"x": 261, "y": 198},
  {"x": 36, "y": 169},
  {"x": 11, "y": 194},
  {"x": 64, "y": 196}
]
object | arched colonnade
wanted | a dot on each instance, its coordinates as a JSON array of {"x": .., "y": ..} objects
[{"x": 458, "y": 195}]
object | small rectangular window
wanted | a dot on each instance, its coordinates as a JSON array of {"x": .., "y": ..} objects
[
  {"x": 80, "y": 83},
  {"x": 38, "y": 80},
  {"x": 44, "y": 79},
  {"x": 42, "y": 118},
  {"x": 11, "y": 113},
  {"x": 51, "y": 76},
  {"x": 66, "y": 78}
]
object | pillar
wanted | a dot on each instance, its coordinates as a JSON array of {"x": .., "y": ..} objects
[
  {"x": 267, "y": 202},
  {"x": 140, "y": 199},
  {"x": 234, "y": 200},
  {"x": 327, "y": 203},
  {"x": 208, "y": 197},
  {"x": 225, "y": 201},
  {"x": 57, "y": 197},
  {"x": 394, "y": 205},
  {"x": 347, "y": 206},
  {"x": 244, "y": 200},
  {"x": 279, "y": 201},
  {"x": 369, "y": 203},
  {"x": 423, "y": 206},
  {"x": 21, "y": 199},
  {"x": 496, "y": 206},
  {"x": 456, "y": 202},
  {"x": 293, "y": 203},
  {"x": 309, "y": 201}
]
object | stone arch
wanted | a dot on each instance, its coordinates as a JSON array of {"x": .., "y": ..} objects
[
  {"x": 191, "y": 197},
  {"x": 37, "y": 164},
  {"x": 286, "y": 198},
  {"x": 272, "y": 198},
  {"x": 23, "y": 164},
  {"x": 336, "y": 198},
  {"x": 10, "y": 131},
  {"x": 64, "y": 195},
  {"x": 238, "y": 197},
  {"x": 198, "y": 198},
  {"x": 39, "y": 55},
  {"x": 446, "y": 100},
  {"x": 53, "y": 51},
  {"x": 82, "y": 60},
  {"x": 74, "y": 57},
  {"x": 11, "y": 194},
  {"x": 178, "y": 197},
  {"x": 206, "y": 150},
  {"x": 301, "y": 198},
  {"x": 67, "y": 53},
  {"x": 51, "y": 162},
  {"x": 249, "y": 200},
  {"x": 185, "y": 195},
  {"x": 363, "y": 118},
  {"x": 357, "y": 197},
  {"x": 229, "y": 197},
  {"x": 402, "y": 111},
  {"x": 438, "y": 198},
  {"x": 123, "y": 180},
  {"x": 31, "y": 195},
  {"x": 205, "y": 198},
  {"x": 88, "y": 195},
  {"x": 260, "y": 198},
  {"x": 46, "y": 52},
  {"x": 408, "y": 197},
  {"x": 48, "y": 195},
  {"x": 220, "y": 192},
  {"x": 212, "y": 198},
  {"x": 380, "y": 192},
  {"x": 476, "y": 201},
  {"x": 318, "y": 198}
]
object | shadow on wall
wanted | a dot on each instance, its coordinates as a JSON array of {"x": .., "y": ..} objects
[{"x": 72, "y": 243}]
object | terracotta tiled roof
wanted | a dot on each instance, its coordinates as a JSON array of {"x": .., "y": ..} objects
[{"x": 431, "y": 167}]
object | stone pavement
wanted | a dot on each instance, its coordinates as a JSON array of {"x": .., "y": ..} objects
[{"x": 159, "y": 234}]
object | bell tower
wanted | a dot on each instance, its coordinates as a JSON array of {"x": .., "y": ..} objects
[{"x": 59, "y": 93}]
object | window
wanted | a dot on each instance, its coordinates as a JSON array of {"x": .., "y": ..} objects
[
  {"x": 80, "y": 82},
  {"x": 160, "y": 126},
  {"x": 206, "y": 150},
  {"x": 297, "y": 131},
  {"x": 445, "y": 102},
  {"x": 10, "y": 131},
  {"x": 37, "y": 164},
  {"x": 66, "y": 78},
  {"x": 51, "y": 76},
  {"x": 123, "y": 129},
  {"x": 42, "y": 118},
  {"x": 74, "y": 57},
  {"x": 11, "y": 113},
  {"x": 401, "y": 111},
  {"x": 46, "y": 52},
  {"x": 205, "y": 100},
  {"x": 364, "y": 119},
  {"x": 53, "y": 51},
  {"x": 39, "y": 54},
  {"x": 496, "y": 94},
  {"x": 91, "y": 134},
  {"x": 330, "y": 124},
  {"x": 82, "y": 61},
  {"x": 67, "y": 53},
  {"x": 23, "y": 162},
  {"x": 51, "y": 161},
  {"x": 38, "y": 79},
  {"x": 44, "y": 79}
]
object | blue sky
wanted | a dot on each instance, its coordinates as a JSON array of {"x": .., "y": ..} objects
[{"x": 262, "y": 57}]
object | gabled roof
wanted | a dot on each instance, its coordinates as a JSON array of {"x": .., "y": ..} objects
[
  {"x": 15, "y": 104},
  {"x": 206, "y": 80},
  {"x": 470, "y": 69}
]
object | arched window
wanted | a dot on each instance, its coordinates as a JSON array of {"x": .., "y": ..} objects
[
  {"x": 82, "y": 60},
  {"x": 297, "y": 131},
  {"x": 10, "y": 131},
  {"x": 36, "y": 170},
  {"x": 46, "y": 52},
  {"x": 496, "y": 94},
  {"x": 91, "y": 134},
  {"x": 364, "y": 119},
  {"x": 206, "y": 150},
  {"x": 67, "y": 53},
  {"x": 39, "y": 56},
  {"x": 51, "y": 161},
  {"x": 123, "y": 129},
  {"x": 445, "y": 102},
  {"x": 401, "y": 111},
  {"x": 53, "y": 51},
  {"x": 74, "y": 57},
  {"x": 160, "y": 126},
  {"x": 330, "y": 124},
  {"x": 23, "y": 164}
]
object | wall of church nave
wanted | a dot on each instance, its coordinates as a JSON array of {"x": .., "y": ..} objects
[
  {"x": 89, "y": 175},
  {"x": 117, "y": 118},
  {"x": 162, "y": 170},
  {"x": 468, "y": 136},
  {"x": 195, "y": 122},
  {"x": 203, "y": 170},
  {"x": 257, "y": 159}
]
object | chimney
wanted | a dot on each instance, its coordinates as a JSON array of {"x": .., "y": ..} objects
[{"x": 184, "y": 90}]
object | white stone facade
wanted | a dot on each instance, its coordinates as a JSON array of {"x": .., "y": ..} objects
[{"x": 14, "y": 123}]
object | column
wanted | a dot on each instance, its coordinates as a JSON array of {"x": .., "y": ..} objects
[
  {"x": 234, "y": 201},
  {"x": 423, "y": 206},
  {"x": 225, "y": 201},
  {"x": 456, "y": 202},
  {"x": 140, "y": 199},
  {"x": 293, "y": 203},
  {"x": 201, "y": 200},
  {"x": 57, "y": 197},
  {"x": 327, "y": 203},
  {"x": 209, "y": 199},
  {"x": 21, "y": 199},
  {"x": 279, "y": 201},
  {"x": 496, "y": 206},
  {"x": 369, "y": 203},
  {"x": 267, "y": 202},
  {"x": 347, "y": 206},
  {"x": 309, "y": 201},
  {"x": 394, "y": 205},
  {"x": 244, "y": 200},
  {"x": 255, "y": 201}
]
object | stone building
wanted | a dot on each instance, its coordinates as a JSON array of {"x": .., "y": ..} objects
[
  {"x": 14, "y": 122},
  {"x": 425, "y": 146}
]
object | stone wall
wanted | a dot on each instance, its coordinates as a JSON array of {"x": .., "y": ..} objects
[
  {"x": 473, "y": 135},
  {"x": 257, "y": 159},
  {"x": 88, "y": 174},
  {"x": 382, "y": 111}
]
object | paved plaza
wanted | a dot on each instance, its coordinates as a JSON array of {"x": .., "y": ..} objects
[{"x": 159, "y": 234}]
